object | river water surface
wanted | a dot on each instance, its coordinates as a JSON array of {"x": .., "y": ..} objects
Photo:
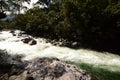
[{"x": 14, "y": 45}]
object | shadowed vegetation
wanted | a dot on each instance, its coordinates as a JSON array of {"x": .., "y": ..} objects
[{"x": 94, "y": 24}]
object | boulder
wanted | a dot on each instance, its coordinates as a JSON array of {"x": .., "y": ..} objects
[
  {"x": 21, "y": 33},
  {"x": 12, "y": 31},
  {"x": 26, "y": 40},
  {"x": 32, "y": 42},
  {"x": 49, "y": 69},
  {"x": 17, "y": 33},
  {"x": 29, "y": 41}
]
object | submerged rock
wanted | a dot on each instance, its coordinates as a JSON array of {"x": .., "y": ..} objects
[{"x": 46, "y": 69}]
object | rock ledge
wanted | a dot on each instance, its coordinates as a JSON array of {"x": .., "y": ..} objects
[{"x": 47, "y": 69}]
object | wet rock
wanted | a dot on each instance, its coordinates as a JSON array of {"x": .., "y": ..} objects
[
  {"x": 29, "y": 41},
  {"x": 22, "y": 76},
  {"x": 12, "y": 31},
  {"x": 17, "y": 33},
  {"x": 21, "y": 33},
  {"x": 24, "y": 37},
  {"x": 49, "y": 69},
  {"x": 26, "y": 40},
  {"x": 32, "y": 42}
]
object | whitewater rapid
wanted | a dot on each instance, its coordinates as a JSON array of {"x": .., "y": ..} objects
[{"x": 14, "y": 45}]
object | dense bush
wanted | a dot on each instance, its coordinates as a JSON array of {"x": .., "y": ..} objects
[{"x": 93, "y": 23}]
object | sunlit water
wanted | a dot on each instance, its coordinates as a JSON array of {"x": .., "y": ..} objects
[{"x": 14, "y": 45}]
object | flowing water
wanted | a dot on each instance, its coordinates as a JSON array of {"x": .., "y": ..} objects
[{"x": 14, "y": 45}]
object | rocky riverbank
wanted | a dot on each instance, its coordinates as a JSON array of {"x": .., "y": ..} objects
[{"x": 43, "y": 69}]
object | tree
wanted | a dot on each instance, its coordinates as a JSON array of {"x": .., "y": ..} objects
[
  {"x": 92, "y": 23},
  {"x": 13, "y": 6},
  {"x": 47, "y": 3}
]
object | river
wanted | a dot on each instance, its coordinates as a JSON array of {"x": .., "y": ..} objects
[{"x": 14, "y": 45}]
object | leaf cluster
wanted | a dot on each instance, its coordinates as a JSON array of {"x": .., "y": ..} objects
[{"x": 93, "y": 23}]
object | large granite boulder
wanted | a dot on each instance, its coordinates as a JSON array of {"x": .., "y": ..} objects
[{"x": 46, "y": 69}]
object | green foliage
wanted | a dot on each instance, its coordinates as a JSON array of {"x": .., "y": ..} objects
[
  {"x": 98, "y": 73},
  {"x": 93, "y": 23},
  {"x": 4, "y": 24},
  {"x": 12, "y": 5}
]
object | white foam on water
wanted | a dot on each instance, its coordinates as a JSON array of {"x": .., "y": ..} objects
[{"x": 14, "y": 45}]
